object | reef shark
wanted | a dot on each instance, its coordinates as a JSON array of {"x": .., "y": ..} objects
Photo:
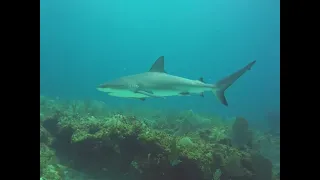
[{"x": 156, "y": 83}]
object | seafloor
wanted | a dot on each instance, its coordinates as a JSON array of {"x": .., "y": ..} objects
[{"x": 89, "y": 140}]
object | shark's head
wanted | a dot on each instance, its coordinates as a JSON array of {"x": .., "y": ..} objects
[
  {"x": 128, "y": 83},
  {"x": 112, "y": 86}
]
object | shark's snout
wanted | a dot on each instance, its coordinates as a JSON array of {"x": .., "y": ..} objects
[
  {"x": 101, "y": 86},
  {"x": 111, "y": 86}
]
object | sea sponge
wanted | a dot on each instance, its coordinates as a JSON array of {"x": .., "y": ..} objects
[
  {"x": 185, "y": 142},
  {"x": 240, "y": 132},
  {"x": 233, "y": 168}
]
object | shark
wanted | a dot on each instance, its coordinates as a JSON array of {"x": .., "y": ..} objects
[{"x": 157, "y": 83}]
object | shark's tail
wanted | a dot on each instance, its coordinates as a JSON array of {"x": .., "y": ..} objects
[{"x": 222, "y": 85}]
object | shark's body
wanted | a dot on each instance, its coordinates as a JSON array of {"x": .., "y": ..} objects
[{"x": 157, "y": 83}]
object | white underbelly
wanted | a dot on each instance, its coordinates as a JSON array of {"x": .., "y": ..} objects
[
  {"x": 130, "y": 94},
  {"x": 159, "y": 93}
]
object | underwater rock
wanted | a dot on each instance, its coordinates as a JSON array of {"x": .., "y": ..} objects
[
  {"x": 233, "y": 168},
  {"x": 47, "y": 157},
  {"x": 126, "y": 144},
  {"x": 262, "y": 167},
  {"x": 53, "y": 172},
  {"x": 152, "y": 150},
  {"x": 241, "y": 135},
  {"x": 185, "y": 142},
  {"x": 219, "y": 133},
  {"x": 184, "y": 127},
  {"x": 205, "y": 134},
  {"x": 45, "y": 136}
]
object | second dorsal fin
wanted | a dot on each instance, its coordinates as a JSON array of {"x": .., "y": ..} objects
[{"x": 158, "y": 65}]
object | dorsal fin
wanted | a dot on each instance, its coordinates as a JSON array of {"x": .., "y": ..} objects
[
  {"x": 201, "y": 79},
  {"x": 158, "y": 65}
]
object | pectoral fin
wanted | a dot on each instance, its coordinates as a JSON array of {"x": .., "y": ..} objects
[
  {"x": 148, "y": 93},
  {"x": 184, "y": 93},
  {"x": 136, "y": 88}
]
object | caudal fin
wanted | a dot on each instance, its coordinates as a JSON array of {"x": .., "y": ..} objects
[{"x": 226, "y": 82}]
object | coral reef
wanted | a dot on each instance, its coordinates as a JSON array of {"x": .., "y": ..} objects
[{"x": 89, "y": 138}]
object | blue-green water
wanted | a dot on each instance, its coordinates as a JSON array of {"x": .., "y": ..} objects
[{"x": 85, "y": 43}]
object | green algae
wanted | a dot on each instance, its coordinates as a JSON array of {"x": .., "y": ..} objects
[
  {"x": 117, "y": 126},
  {"x": 162, "y": 148},
  {"x": 49, "y": 167}
]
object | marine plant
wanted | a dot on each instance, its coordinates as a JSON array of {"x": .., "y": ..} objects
[{"x": 128, "y": 143}]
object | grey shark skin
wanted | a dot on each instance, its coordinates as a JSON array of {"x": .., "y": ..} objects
[{"x": 157, "y": 83}]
